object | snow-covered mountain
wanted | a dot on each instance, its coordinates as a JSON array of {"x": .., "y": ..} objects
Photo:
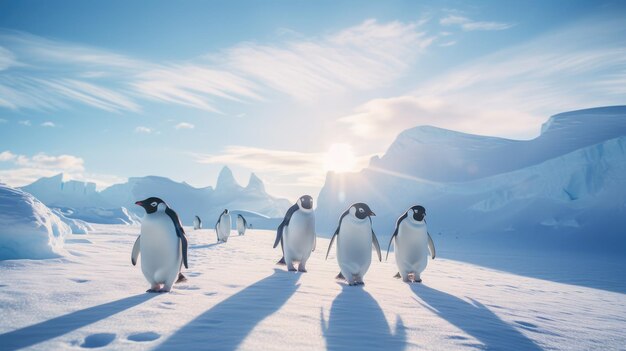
[
  {"x": 116, "y": 204},
  {"x": 565, "y": 188}
]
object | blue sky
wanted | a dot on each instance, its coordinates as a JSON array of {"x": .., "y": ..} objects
[{"x": 103, "y": 91}]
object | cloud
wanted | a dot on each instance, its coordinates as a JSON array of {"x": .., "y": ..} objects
[
  {"x": 26, "y": 123},
  {"x": 55, "y": 74},
  {"x": 512, "y": 92},
  {"x": 470, "y": 25},
  {"x": 48, "y": 124},
  {"x": 27, "y": 169},
  {"x": 143, "y": 130},
  {"x": 2, "y": 120},
  {"x": 7, "y": 156},
  {"x": 184, "y": 125}
]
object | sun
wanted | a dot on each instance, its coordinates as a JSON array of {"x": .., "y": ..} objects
[{"x": 340, "y": 158}]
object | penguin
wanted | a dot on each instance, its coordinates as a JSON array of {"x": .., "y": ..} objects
[
  {"x": 222, "y": 227},
  {"x": 242, "y": 224},
  {"x": 354, "y": 243},
  {"x": 163, "y": 245},
  {"x": 296, "y": 234},
  {"x": 197, "y": 223},
  {"x": 411, "y": 245}
]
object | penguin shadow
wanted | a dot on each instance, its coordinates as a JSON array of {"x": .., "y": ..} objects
[
  {"x": 226, "y": 325},
  {"x": 356, "y": 322},
  {"x": 52, "y": 328},
  {"x": 206, "y": 246},
  {"x": 475, "y": 319}
]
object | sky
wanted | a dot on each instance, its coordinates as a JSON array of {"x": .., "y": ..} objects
[{"x": 103, "y": 91}]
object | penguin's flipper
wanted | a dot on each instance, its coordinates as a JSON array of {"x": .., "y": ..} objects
[
  {"x": 395, "y": 233},
  {"x": 431, "y": 246},
  {"x": 314, "y": 242},
  {"x": 279, "y": 230},
  {"x": 377, "y": 246},
  {"x": 279, "y": 235},
  {"x": 397, "y": 276},
  {"x": 180, "y": 232},
  {"x": 135, "y": 254},
  {"x": 281, "y": 261},
  {"x": 340, "y": 276},
  {"x": 331, "y": 242}
]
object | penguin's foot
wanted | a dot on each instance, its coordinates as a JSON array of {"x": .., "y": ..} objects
[
  {"x": 163, "y": 290},
  {"x": 151, "y": 291},
  {"x": 360, "y": 283},
  {"x": 417, "y": 281},
  {"x": 302, "y": 269},
  {"x": 292, "y": 269}
]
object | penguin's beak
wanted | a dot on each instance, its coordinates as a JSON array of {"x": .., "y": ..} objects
[
  {"x": 372, "y": 213},
  {"x": 139, "y": 203}
]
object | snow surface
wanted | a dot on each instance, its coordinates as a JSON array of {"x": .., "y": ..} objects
[
  {"x": 28, "y": 229},
  {"x": 237, "y": 298}
]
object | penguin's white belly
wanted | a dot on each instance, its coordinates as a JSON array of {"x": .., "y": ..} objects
[
  {"x": 354, "y": 247},
  {"x": 223, "y": 228},
  {"x": 196, "y": 224},
  {"x": 299, "y": 235},
  {"x": 160, "y": 248},
  {"x": 241, "y": 227},
  {"x": 411, "y": 248}
]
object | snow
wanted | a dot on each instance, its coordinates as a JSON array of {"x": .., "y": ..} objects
[
  {"x": 78, "y": 226},
  {"x": 28, "y": 229},
  {"x": 237, "y": 298}
]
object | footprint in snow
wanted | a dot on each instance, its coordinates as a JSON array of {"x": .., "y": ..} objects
[
  {"x": 142, "y": 337},
  {"x": 526, "y": 324},
  {"x": 98, "y": 340}
]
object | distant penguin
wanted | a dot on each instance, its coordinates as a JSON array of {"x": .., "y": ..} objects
[
  {"x": 354, "y": 243},
  {"x": 411, "y": 245},
  {"x": 197, "y": 223},
  {"x": 222, "y": 227},
  {"x": 296, "y": 233},
  {"x": 242, "y": 224},
  {"x": 163, "y": 245}
]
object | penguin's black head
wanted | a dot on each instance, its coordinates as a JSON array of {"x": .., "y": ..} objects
[
  {"x": 225, "y": 211},
  {"x": 150, "y": 204},
  {"x": 362, "y": 210},
  {"x": 306, "y": 202},
  {"x": 419, "y": 212}
]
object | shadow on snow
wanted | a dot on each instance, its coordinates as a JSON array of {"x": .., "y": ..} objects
[
  {"x": 52, "y": 328},
  {"x": 226, "y": 325},
  {"x": 356, "y": 322},
  {"x": 475, "y": 319}
]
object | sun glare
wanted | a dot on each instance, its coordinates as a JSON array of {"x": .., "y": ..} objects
[{"x": 340, "y": 158}]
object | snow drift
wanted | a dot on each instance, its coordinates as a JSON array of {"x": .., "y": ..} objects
[{"x": 28, "y": 229}]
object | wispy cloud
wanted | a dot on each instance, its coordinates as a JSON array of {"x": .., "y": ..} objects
[
  {"x": 55, "y": 74},
  {"x": 470, "y": 25},
  {"x": 143, "y": 130},
  {"x": 48, "y": 124},
  {"x": 184, "y": 125},
  {"x": 509, "y": 93},
  {"x": 27, "y": 169},
  {"x": 25, "y": 123}
]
